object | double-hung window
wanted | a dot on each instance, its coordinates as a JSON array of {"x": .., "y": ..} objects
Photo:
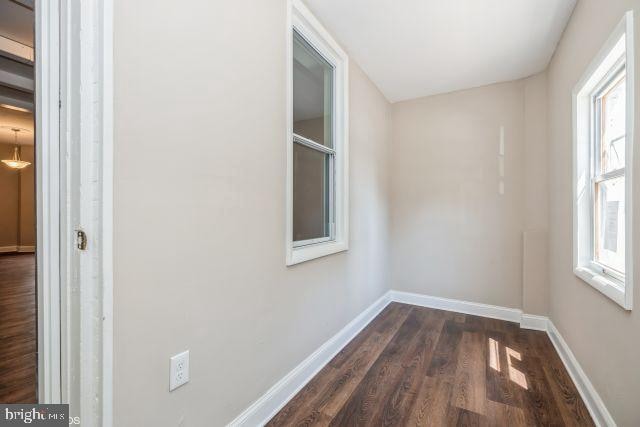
[
  {"x": 317, "y": 163},
  {"x": 603, "y": 147},
  {"x": 608, "y": 177}
]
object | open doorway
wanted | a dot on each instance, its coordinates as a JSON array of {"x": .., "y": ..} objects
[
  {"x": 18, "y": 299},
  {"x": 59, "y": 347}
]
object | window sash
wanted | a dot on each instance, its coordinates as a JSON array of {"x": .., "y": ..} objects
[
  {"x": 612, "y": 273},
  {"x": 597, "y": 223},
  {"x": 329, "y": 88},
  {"x": 609, "y": 175},
  {"x": 298, "y": 139},
  {"x": 329, "y": 149},
  {"x": 329, "y": 135},
  {"x": 312, "y": 144},
  {"x": 609, "y": 81}
]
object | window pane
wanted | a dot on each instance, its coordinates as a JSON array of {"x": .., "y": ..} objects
[
  {"x": 610, "y": 226},
  {"x": 612, "y": 146},
  {"x": 312, "y": 93},
  {"x": 311, "y": 218}
]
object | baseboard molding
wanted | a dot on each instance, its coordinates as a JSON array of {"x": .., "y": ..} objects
[
  {"x": 263, "y": 409},
  {"x": 466, "y": 307},
  {"x": 5, "y": 249},
  {"x": 599, "y": 412},
  {"x": 532, "y": 321}
]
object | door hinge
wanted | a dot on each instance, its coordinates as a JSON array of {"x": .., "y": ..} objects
[{"x": 81, "y": 240}]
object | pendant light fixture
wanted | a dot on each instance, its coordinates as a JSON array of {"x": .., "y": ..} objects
[{"x": 15, "y": 162}]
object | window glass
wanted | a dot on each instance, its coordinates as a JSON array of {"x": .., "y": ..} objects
[
  {"x": 312, "y": 93},
  {"x": 610, "y": 221},
  {"x": 311, "y": 218},
  {"x": 612, "y": 140}
]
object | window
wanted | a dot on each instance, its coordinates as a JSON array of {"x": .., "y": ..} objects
[
  {"x": 603, "y": 141},
  {"x": 317, "y": 143},
  {"x": 608, "y": 177}
]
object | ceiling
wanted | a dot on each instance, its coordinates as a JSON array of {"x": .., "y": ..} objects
[
  {"x": 12, "y": 118},
  {"x": 16, "y": 21},
  {"x": 16, "y": 54},
  {"x": 414, "y": 48}
]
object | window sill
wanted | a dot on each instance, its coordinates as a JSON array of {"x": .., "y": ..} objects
[
  {"x": 608, "y": 286},
  {"x": 318, "y": 250}
]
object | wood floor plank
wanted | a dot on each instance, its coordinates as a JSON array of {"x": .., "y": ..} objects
[
  {"x": 572, "y": 408},
  {"x": 432, "y": 402},
  {"x": 539, "y": 405},
  {"x": 18, "y": 357},
  {"x": 474, "y": 323},
  {"x": 501, "y": 415},
  {"x": 499, "y": 387},
  {"x": 423, "y": 367},
  {"x": 397, "y": 406},
  {"x": 364, "y": 405},
  {"x": 469, "y": 389},
  {"x": 387, "y": 322},
  {"x": 444, "y": 360},
  {"x": 323, "y": 397},
  {"x": 462, "y": 418},
  {"x": 348, "y": 378},
  {"x": 18, "y": 346}
]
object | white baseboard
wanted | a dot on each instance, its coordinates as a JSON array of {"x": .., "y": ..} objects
[
  {"x": 532, "y": 321},
  {"x": 590, "y": 396},
  {"x": 4, "y": 249},
  {"x": 263, "y": 409},
  {"x": 466, "y": 307}
]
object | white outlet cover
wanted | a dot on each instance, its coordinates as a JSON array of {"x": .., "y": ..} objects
[{"x": 179, "y": 372}]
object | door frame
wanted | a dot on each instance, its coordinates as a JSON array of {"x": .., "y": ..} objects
[
  {"x": 74, "y": 179},
  {"x": 48, "y": 215}
]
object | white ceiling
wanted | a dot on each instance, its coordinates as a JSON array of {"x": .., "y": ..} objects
[{"x": 414, "y": 48}]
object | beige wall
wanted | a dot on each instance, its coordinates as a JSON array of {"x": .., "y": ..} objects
[
  {"x": 453, "y": 234},
  {"x": 17, "y": 210},
  {"x": 27, "y": 199},
  {"x": 9, "y": 210},
  {"x": 535, "y": 253},
  {"x": 199, "y": 246},
  {"x": 604, "y": 338}
]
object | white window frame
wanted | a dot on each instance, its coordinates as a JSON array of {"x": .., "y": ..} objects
[
  {"x": 305, "y": 24},
  {"x": 615, "y": 286}
]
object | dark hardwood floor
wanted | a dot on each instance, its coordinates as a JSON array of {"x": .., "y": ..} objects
[
  {"x": 18, "y": 335},
  {"x": 415, "y": 366}
]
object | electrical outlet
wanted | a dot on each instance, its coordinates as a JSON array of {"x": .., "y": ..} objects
[{"x": 179, "y": 374}]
